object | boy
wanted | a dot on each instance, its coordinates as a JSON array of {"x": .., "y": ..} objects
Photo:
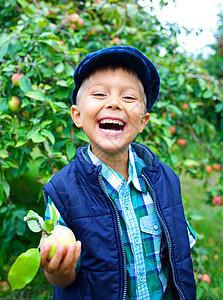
[{"x": 121, "y": 202}]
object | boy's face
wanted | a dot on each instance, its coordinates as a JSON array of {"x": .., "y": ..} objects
[{"x": 111, "y": 110}]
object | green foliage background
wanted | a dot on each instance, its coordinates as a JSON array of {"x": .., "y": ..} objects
[{"x": 44, "y": 40}]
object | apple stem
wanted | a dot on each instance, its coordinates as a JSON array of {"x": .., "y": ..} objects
[{"x": 38, "y": 222}]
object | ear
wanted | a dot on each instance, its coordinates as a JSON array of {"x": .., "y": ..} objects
[
  {"x": 76, "y": 115},
  {"x": 144, "y": 121}
]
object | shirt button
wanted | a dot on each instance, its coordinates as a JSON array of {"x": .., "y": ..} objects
[
  {"x": 127, "y": 205},
  {"x": 155, "y": 227},
  {"x": 136, "y": 240},
  {"x": 141, "y": 279}
]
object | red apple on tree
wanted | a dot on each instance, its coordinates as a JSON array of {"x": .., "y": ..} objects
[
  {"x": 173, "y": 129},
  {"x": 217, "y": 200},
  {"x": 15, "y": 78},
  {"x": 73, "y": 26},
  {"x": 217, "y": 167},
  {"x": 80, "y": 22},
  {"x": 14, "y": 104},
  {"x": 74, "y": 18},
  {"x": 60, "y": 42},
  {"x": 173, "y": 114},
  {"x": 209, "y": 169},
  {"x": 206, "y": 278},
  {"x": 115, "y": 40},
  {"x": 185, "y": 106},
  {"x": 181, "y": 142}
]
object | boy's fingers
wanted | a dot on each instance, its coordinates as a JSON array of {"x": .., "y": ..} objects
[
  {"x": 54, "y": 263},
  {"x": 44, "y": 255},
  {"x": 71, "y": 257},
  {"x": 77, "y": 251}
]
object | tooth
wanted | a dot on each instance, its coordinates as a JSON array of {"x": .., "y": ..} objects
[
  {"x": 111, "y": 131},
  {"x": 104, "y": 121}
]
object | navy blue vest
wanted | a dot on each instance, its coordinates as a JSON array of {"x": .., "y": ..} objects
[{"x": 79, "y": 194}]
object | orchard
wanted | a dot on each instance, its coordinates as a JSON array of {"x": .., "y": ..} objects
[{"x": 41, "y": 42}]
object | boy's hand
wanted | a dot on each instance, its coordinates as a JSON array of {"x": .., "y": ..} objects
[{"x": 56, "y": 266}]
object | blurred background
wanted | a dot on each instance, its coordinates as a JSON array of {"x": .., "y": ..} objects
[{"x": 41, "y": 42}]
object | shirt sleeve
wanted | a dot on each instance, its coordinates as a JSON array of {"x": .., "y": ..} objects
[
  {"x": 191, "y": 235},
  {"x": 60, "y": 221}
]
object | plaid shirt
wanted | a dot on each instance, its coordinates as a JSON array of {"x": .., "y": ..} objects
[{"x": 142, "y": 231}]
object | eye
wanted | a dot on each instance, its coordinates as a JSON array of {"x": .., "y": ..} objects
[
  {"x": 99, "y": 94},
  {"x": 129, "y": 98}
]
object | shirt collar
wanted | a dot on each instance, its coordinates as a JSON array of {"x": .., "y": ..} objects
[{"x": 114, "y": 178}]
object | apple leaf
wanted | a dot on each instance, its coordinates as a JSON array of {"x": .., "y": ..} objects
[
  {"x": 34, "y": 221},
  {"x": 37, "y": 95},
  {"x": 193, "y": 162},
  {"x": 24, "y": 84},
  {"x": 49, "y": 135},
  {"x": 196, "y": 216},
  {"x": 49, "y": 226},
  {"x": 53, "y": 214},
  {"x": 24, "y": 268}
]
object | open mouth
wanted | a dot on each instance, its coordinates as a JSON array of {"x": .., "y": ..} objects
[{"x": 111, "y": 126}]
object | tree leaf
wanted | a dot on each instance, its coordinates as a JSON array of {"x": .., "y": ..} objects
[
  {"x": 20, "y": 143},
  {"x": 24, "y": 269},
  {"x": 49, "y": 135},
  {"x": 59, "y": 68},
  {"x": 49, "y": 225},
  {"x": 24, "y": 84},
  {"x": 36, "y": 137},
  {"x": 45, "y": 123},
  {"x": 34, "y": 225},
  {"x": 196, "y": 216},
  {"x": 70, "y": 150},
  {"x": 5, "y": 186},
  {"x": 192, "y": 162},
  {"x": 3, "y": 154},
  {"x": 4, "y": 50},
  {"x": 208, "y": 94},
  {"x": 38, "y": 95},
  {"x": 82, "y": 136},
  {"x": 53, "y": 214}
]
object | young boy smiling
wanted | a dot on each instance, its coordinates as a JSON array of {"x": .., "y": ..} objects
[
  {"x": 121, "y": 202},
  {"x": 111, "y": 112}
]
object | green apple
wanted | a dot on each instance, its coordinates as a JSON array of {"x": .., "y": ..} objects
[
  {"x": 59, "y": 129},
  {"x": 61, "y": 235},
  {"x": 14, "y": 104}
]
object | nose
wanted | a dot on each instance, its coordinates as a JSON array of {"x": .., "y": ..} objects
[{"x": 113, "y": 104}]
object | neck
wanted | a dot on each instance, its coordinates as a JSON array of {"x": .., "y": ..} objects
[{"x": 117, "y": 160}]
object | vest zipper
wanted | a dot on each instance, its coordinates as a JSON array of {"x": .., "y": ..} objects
[
  {"x": 168, "y": 238},
  {"x": 120, "y": 234}
]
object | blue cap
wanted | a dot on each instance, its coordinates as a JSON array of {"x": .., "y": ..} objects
[{"x": 126, "y": 56}]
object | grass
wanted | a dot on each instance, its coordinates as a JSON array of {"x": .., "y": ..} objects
[{"x": 206, "y": 220}]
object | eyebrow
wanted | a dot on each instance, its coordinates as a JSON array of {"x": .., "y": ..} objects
[{"x": 104, "y": 84}]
